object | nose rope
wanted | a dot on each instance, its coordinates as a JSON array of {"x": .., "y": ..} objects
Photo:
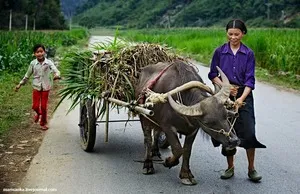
[
  {"x": 222, "y": 131},
  {"x": 231, "y": 128}
]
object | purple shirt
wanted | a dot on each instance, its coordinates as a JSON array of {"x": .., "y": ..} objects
[{"x": 239, "y": 68}]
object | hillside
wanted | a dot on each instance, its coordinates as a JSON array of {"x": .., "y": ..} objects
[
  {"x": 188, "y": 13},
  {"x": 69, "y": 7}
]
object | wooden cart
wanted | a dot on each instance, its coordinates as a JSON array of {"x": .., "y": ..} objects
[{"x": 89, "y": 115}]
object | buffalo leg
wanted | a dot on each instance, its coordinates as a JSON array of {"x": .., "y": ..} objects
[
  {"x": 148, "y": 163},
  {"x": 176, "y": 147},
  {"x": 155, "y": 148},
  {"x": 186, "y": 176}
]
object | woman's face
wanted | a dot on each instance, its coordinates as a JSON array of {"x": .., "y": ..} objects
[
  {"x": 234, "y": 36},
  {"x": 39, "y": 53}
]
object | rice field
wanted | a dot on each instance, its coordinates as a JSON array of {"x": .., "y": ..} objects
[{"x": 276, "y": 50}]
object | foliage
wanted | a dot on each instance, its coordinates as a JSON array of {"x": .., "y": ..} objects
[
  {"x": 150, "y": 13},
  {"x": 69, "y": 6},
  {"x": 47, "y": 14}
]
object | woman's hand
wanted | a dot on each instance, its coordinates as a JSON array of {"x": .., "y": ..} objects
[
  {"x": 239, "y": 103},
  {"x": 234, "y": 90}
]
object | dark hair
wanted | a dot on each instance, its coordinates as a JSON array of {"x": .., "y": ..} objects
[
  {"x": 237, "y": 24},
  {"x": 37, "y": 46}
]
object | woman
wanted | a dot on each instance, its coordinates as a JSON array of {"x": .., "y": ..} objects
[{"x": 238, "y": 63}]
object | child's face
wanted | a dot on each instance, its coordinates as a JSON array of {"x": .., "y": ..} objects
[
  {"x": 39, "y": 53},
  {"x": 234, "y": 36}
]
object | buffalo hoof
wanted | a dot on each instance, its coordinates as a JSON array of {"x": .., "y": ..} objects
[
  {"x": 169, "y": 163},
  {"x": 186, "y": 177},
  {"x": 148, "y": 167},
  {"x": 147, "y": 171},
  {"x": 189, "y": 181}
]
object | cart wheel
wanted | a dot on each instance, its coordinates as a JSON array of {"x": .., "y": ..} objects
[
  {"x": 87, "y": 126},
  {"x": 162, "y": 141}
]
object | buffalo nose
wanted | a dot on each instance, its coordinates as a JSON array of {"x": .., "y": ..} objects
[{"x": 234, "y": 141}]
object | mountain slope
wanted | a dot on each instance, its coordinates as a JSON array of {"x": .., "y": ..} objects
[
  {"x": 180, "y": 13},
  {"x": 69, "y": 6}
]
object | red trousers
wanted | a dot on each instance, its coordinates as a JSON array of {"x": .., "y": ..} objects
[{"x": 40, "y": 104}]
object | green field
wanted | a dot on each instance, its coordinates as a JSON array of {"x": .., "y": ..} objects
[{"x": 276, "y": 50}]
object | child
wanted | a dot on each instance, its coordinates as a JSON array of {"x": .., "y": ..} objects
[{"x": 41, "y": 68}]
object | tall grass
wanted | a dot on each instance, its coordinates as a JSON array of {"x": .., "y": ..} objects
[{"x": 276, "y": 50}]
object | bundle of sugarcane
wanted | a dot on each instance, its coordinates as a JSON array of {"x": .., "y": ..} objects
[{"x": 115, "y": 67}]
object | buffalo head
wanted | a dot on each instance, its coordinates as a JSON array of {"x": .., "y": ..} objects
[{"x": 212, "y": 115}]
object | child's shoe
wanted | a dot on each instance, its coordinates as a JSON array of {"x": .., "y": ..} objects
[
  {"x": 36, "y": 118},
  {"x": 44, "y": 127}
]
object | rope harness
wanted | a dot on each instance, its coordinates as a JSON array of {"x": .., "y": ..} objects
[{"x": 150, "y": 84}]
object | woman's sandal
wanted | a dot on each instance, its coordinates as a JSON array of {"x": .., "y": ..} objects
[
  {"x": 254, "y": 176},
  {"x": 228, "y": 173}
]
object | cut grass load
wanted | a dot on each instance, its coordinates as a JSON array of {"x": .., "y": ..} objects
[{"x": 115, "y": 67}]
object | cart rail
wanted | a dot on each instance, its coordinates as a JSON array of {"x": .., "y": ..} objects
[{"x": 130, "y": 106}]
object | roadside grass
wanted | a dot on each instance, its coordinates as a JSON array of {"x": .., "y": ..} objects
[
  {"x": 15, "y": 107},
  {"x": 287, "y": 82}
]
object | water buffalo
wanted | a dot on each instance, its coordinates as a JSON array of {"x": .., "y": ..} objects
[{"x": 197, "y": 109}]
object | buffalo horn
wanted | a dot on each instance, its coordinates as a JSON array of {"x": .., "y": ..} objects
[
  {"x": 185, "y": 110},
  {"x": 223, "y": 76},
  {"x": 217, "y": 88},
  {"x": 224, "y": 93},
  {"x": 189, "y": 85}
]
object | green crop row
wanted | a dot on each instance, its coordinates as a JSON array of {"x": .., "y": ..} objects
[
  {"x": 276, "y": 50},
  {"x": 16, "y": 46}
]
